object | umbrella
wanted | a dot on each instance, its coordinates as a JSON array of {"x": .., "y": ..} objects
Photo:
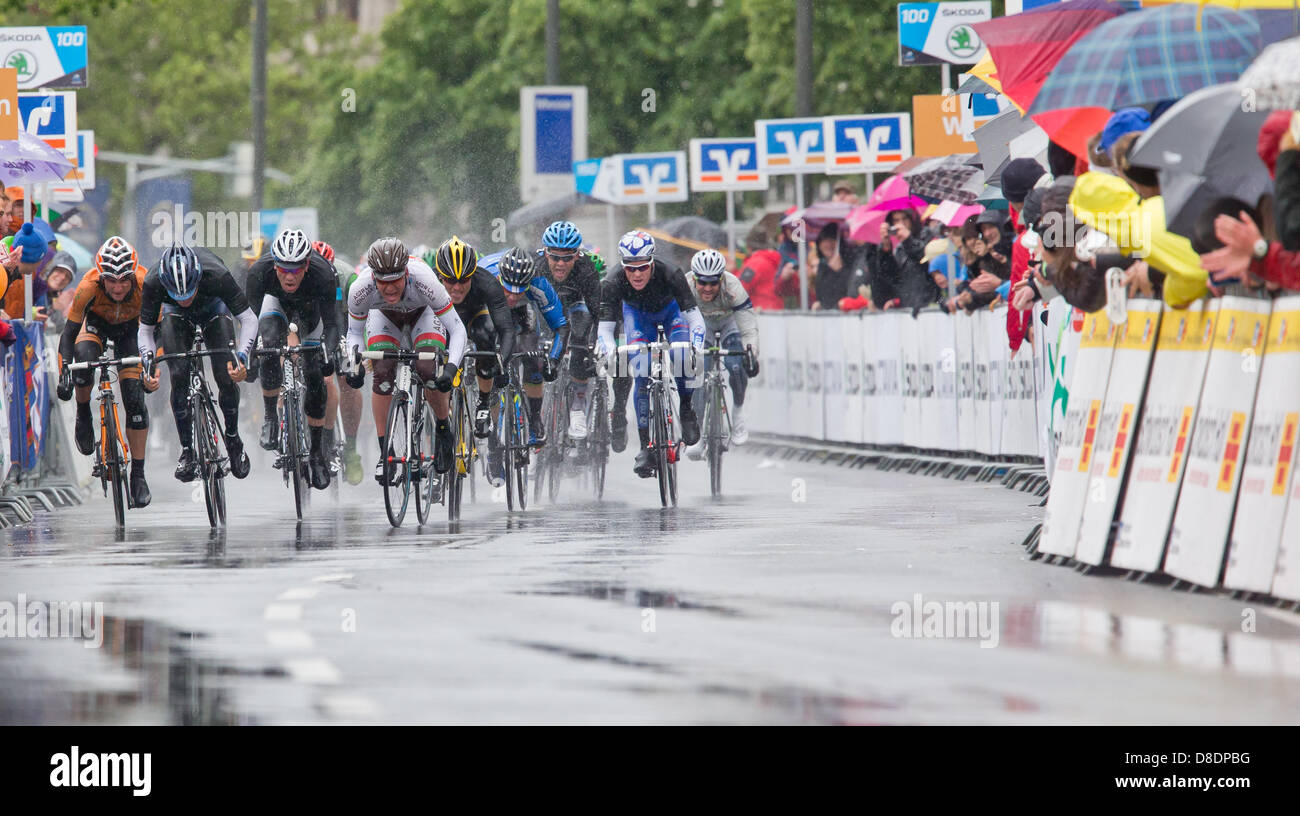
[
  {"x": 953, "y": 214},
  {"x": 1204, "y": 148},
  {"x": 996, "y": 137},
  {"x": 947, "y": 177},
  {"x": 28, "y": 160},
  {"x": 819, "y": 214},
  {"x": 694, "y": 228},
  {"x": 1273, "y": 79},
  {"x": 1149, "y": 55},
  {"x": 974, "y": 84},
  {"x": 1025, "y": 47}
]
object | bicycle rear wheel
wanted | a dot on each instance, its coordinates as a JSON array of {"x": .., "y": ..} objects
[
  {"x": 397, "y": 490},
  {"x": 425, "y": 480},
  {"x": 671, "y": 451},
  {"x": 521, "y": 452},
  {"x": 205, "y": 433},
  {"x": 659, "y": 444},
  {"x": 113, "y": 463},
  {"x": 506, "y": 436},
  {"x": 460, "y": 468}
]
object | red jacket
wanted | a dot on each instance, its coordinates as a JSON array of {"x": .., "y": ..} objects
[
  {"x": 759, "y": 277},
  {"x": 1017, "y": 321},
  {"x": 1278, "y": 266}
]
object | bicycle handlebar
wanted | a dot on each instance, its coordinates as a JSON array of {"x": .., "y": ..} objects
[
  {"x": 310, "y": 345},
  {"x": 401, "y": 355},
  {"x": 91, "y": 364},
  {"x": 637, "y": 348}
]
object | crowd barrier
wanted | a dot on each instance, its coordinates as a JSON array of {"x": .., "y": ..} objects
[
  {"x": 38, "y": 464},
  {"x": 1170, "y": 438}
]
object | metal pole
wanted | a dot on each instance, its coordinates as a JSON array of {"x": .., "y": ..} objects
[
  {"x": 947, "y": 79},
  {"x": 128, "y": 204},
  {"x": 801, "y": 230},
  {"x": 731, "y": 225},
  {"x": 29, "y": 282},
  {"x": 258, "y": 100},
  {"x": 552, "y": 42},
  {"x": 871, "y": 187},
  {"x": 651, "y": 214},
  {"x": 803, "y": 64}
]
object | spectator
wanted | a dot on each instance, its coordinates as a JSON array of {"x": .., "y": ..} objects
[
  {"x": 1233, "y": 253},
  {"x": 833, "y": 273},
  {"x": 41, "y": 234},
  {"x": 1143, "y": 179},
  {"x": 1021, "y": 177},
  {"x": 943, "y": 261},
  {"x": 897, "y": 277},
  {"x": 761, "y": 274},
  {"x": 844, "y": 191},
  {"x": 1125, "y": 120},
  {"x": 1287, "y": 185}
]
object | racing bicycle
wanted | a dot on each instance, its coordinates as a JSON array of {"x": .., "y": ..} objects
[{"x": 111, "y": 452}]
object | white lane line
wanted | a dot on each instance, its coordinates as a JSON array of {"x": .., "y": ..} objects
[
  {"x": 289, "y": 639},
  {"x": 283, "y": 612},
  {"x": 298, "y": 594},
  {"x": 332, "y": 579},
  {"x": 314, "y": 670}
]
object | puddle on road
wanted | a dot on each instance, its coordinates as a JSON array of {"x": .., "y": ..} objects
[
  {"x": 641, "y": 598},
  {"x": 165, "y": 682}
]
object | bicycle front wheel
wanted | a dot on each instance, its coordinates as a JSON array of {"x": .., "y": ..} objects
[
  {"x": 397, "y": 489},
  {"x": 294, "y": 460},
  {"x": 113, "y": 459},
  {"x": 659, "y": 443},
  {"x": 462, "y": 433},
  {"x": 425, "y": 480},
  {"x": 205, "y": 434},
  {"x": 713, "y": 424},
  {"x": 521, "y": 450}
]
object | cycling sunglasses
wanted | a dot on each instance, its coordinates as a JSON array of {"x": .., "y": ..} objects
[
  {"x": 637, "y": 267},
  {"x": 562, "y": 256},
  {"x": 292, "y": 271}
]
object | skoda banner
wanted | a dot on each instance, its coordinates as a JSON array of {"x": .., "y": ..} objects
[
  {"x": 935, "y": 33},
  {"x": 45, "y": 56}
]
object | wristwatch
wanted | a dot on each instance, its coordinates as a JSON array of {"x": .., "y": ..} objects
[{"x": 1261, "y": 248}]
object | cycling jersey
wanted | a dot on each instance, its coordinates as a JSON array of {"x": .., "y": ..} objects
[
  {"x": 581, "y": 285},
  {"x": 542, "y": 295},
  {"x": 91, "y": 304},
  {"x": 423, "y": 291},
  {"x": 730, "y": 310},
  {"x": 312, "y": 303},
  {"x": 486, "y": 298},
  {"x": 667, "y": 287},
  {"x": 217, "y": 286}
]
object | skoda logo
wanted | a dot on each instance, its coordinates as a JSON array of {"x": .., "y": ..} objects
[
  {"x": 963, "y": 41},
  {"x": 22, "y": 61}
]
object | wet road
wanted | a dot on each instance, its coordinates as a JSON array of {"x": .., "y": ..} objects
[{"x": 786, "y": 602}]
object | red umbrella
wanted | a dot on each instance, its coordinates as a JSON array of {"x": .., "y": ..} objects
[
  {"x": 1071, "y": 128},
  {"x": 1025, "y": 47}
]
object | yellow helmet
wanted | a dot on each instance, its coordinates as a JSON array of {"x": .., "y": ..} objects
[
  {"x": 456, "y": 260},
  {"x": 254, "y": 248}
]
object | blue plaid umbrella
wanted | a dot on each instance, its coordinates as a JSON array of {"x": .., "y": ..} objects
[{"x": 1145, "y": 56}]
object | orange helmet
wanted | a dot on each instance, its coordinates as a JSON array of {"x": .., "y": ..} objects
[
  {"x": 116, "y": 259},
  {"x": 326, "y": 251}
]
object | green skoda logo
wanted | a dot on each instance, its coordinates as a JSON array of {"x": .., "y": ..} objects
[
  {"x": 963, "y": 41},
  {"x": 23, "y": 62}
]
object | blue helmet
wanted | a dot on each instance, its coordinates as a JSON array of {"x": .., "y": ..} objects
[
  {"x": 636, "y": 245},
  {"x": 180, "y": 272},
  {"x": 562, "y": 235}
]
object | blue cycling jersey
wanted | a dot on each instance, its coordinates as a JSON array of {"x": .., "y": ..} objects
[{"x": 540, "y": 293}]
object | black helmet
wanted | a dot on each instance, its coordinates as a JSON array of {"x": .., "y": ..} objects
[
  {"x": 517, "y": 270},
  {"x": 180, "y": 272},
  {"x": 455, "y": 260},
  {"x": 387, "y": 258}
]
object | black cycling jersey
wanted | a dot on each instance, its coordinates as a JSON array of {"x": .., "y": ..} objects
[
  {"x": 485, "y": 293},
  {"x": 581, "y": 286},
  {"x": 216, "y": 284},
  {"x": 313, "y": 301},
  {"x": 667, "y": 283}
]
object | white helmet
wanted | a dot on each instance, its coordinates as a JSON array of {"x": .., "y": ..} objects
[
  {"x": 708, "y": 265},
  {"x": 291, "y": 247}
]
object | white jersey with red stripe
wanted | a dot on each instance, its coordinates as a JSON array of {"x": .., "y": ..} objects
[{"x": 423, "y": 291}]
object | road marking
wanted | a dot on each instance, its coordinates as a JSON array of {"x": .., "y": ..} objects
[
  {"x": 332, "y": 579},
  {"x": 283, "y": 612},
  {"x": 298, "y": 594},
  {"x": 313, "y": 670},
  {"x": 289, "y": 639}
]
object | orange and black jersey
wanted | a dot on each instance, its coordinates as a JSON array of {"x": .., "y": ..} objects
[{"x": 91, "y": 302}]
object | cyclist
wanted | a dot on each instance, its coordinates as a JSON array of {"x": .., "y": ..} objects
[
  {"x": 622, "y": 383},
  {"x": 573, "y": 275},
  {"x": 190, "y": 290},
  {"x": 106, "y": 307},
  {"x": 482, "y": 307},
  {"x": 339, "y": 396},
  {"x": 650, "y": 293},
  {"x": 292, "y": 283},
  {"x": 518, "y": 274},
  {"x": 725, "y": 306},
  {"x": 397, "y": 302}
]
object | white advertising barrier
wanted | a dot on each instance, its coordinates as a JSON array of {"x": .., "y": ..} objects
[
  {"x": 1286, "y": 576},
  {"x": 1061, "y": 341},
  {"x": 1078, "y": 437},
  {"x": 963, "y": 326},
  {"x": 870, "y": 382},
  {"x": 909, "y": 345},
  {"x": 888, "y": 377},
  {"x": 995, "y": 337},
  {"x": 1270, "y": 455},
  {"x": 983, "y": 438},
  {"x": 1199, "y": 535},
  {"x": 942, "y": 328},
  {"x": 852, "y": 341},
  {"x": 835, "y": 400},
  {"x": 1160, "y": 449},
  {"x": 776, "y": 414},
  {"x": 927, "y": 339},
  {"x": 1125, "y": 392},
  {"x": 810, "y": 334}
]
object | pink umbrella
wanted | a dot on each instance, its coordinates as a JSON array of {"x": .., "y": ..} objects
[{"x": 952, "y": 214}]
